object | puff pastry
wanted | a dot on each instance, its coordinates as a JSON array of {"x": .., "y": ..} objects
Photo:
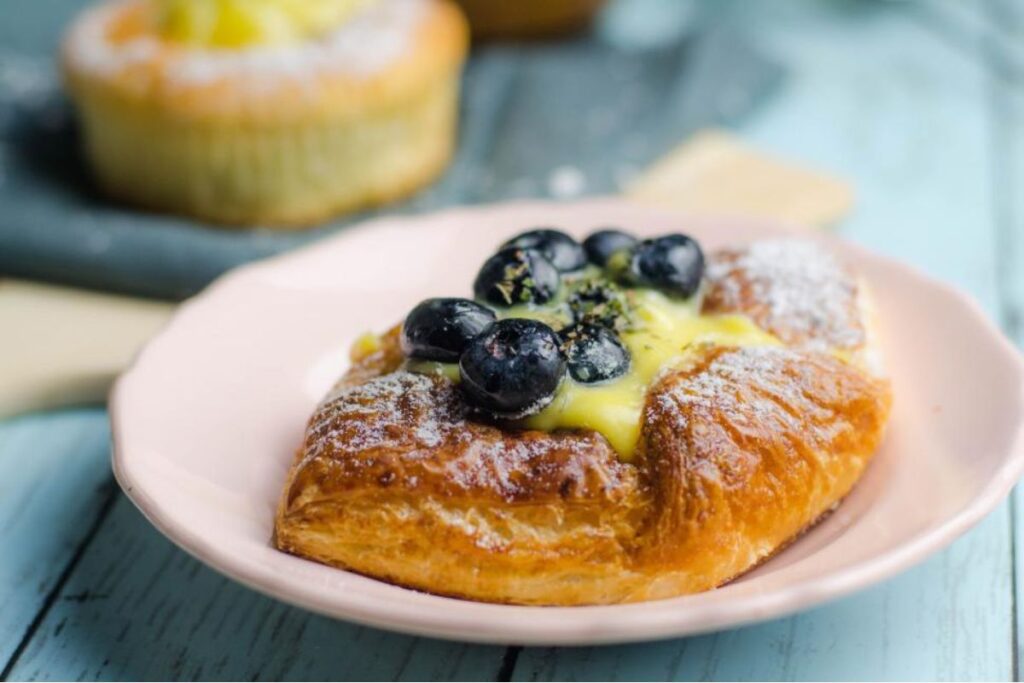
[{"x": 741, "y": 450}]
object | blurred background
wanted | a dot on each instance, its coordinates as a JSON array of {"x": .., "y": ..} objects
[
  {"x": 886, "y": 95},
  {"x": 899, "y": 124}
]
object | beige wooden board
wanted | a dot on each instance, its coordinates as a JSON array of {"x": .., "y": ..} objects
[{"x": 64, "y": 346}]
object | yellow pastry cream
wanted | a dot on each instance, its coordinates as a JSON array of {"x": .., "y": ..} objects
[
  {"x": 658, "y": 331},
  {"x": 367, "y": 344},
  {"x": 662, "y": 332},
  {"x": 243, "y": 23}
]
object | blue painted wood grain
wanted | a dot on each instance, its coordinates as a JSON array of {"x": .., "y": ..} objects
[
  {"x": 54, "y": 483},
  {"x": 138, "y": 608},
  {"x": 914, "y": 113},
  {"x": 932, "y": 623}
]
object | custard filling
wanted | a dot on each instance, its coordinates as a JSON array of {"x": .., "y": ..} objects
[
  {"x": 247, "y": 23},
  {"x": 664, "y": 332}
]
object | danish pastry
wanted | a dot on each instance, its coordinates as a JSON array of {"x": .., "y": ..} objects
[
  {"x": 275, "y": 112},
  {"x": 615, "y": 421}
]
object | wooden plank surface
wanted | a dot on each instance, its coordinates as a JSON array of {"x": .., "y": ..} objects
[
  {"x": 54, "y": 486},
  {"x": 138, "y": 608},
  {"x": 875, "y": 93},
  {"x": 934, "y": 622}
]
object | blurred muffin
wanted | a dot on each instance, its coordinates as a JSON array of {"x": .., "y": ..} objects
[
  {"x": 280, "y": 112},
  {"x": 528, "y": 18}
]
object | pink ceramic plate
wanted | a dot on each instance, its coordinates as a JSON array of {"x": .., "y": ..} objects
[{"x": 208, "y": 420}]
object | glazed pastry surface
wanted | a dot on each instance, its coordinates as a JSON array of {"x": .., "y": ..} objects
[{"x": 741, "y": 449}]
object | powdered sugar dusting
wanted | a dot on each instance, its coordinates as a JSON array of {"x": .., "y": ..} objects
[
  {"x": 366, "y": 44},
  {"x": 382, "y": 414},
  {"x": 411, "y": 430},
  {"x": 736, "y": 383},
  {"x": 520, "y": 465},
  {"x": 795, "y": 289}
]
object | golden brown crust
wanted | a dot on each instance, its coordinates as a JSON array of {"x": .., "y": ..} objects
[
  {"x": 748, "y": 447},
  {"x": 742, "y": 449},
  {"x": 410, "y": 432}
]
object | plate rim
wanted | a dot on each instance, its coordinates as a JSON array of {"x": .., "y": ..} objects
[{"x": 636, "y": 627}]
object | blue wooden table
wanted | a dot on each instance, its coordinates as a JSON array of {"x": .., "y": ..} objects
[{"x": 921, "y": 105}]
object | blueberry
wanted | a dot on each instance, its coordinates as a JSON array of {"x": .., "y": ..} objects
[
  {"x": 516, "y": 276},
  {"x": 440, "y": 329},
  {"x": 595, "y": 353},
  {"x": 603, "y": 243},
  {"x": 513, "y": 368},
  {"x": 563, "y": 251},
  {"x": 673, "y": 264}
]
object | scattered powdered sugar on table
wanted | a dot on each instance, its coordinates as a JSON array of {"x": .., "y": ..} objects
[
  {"x": 801, "y": 290},
  {"x": 30, "y": 102},
  {"x": 566, "y": 182},
  {"x": 362, "y": 46},
  {"x": 29, "y": 89},
  {"x": 26, "y": 80}
]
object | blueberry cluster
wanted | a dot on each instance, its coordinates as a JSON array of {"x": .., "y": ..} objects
[{"x": 513, "y": 366}]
